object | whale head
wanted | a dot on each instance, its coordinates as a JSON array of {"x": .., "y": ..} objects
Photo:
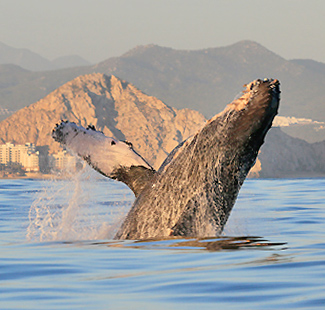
[{"x": 247, "y": 119}]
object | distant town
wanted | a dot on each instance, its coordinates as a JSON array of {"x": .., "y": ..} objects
[{"x": 17, "y": 160}]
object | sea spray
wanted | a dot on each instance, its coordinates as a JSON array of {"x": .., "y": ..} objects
[{"x": 69, "y": 209}]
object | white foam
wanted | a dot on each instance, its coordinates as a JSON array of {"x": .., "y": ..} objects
[{"x": 68, "y": 210}]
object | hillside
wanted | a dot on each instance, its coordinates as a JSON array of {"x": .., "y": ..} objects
[
  {"x": 113, "y": 106},
  {"x": 122, "y": 111},
  {"x": 23, "y": 57},
  {"x": 285, "y": 157},
  {"x": 32, "y": 61},
  {"x": 204, "y": 80}
]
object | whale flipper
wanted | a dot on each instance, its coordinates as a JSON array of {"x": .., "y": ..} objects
[{"x": 112, "y": 158}]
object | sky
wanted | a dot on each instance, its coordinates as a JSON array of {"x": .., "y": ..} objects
[{"x": 100, "y": 29}]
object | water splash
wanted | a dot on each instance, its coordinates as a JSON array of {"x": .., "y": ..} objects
[{"x": 73, "y": 209}]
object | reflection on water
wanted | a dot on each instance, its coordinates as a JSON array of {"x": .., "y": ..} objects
[
  {"x": 284, "y": 269},
  {"x": 210, "y": 244}
]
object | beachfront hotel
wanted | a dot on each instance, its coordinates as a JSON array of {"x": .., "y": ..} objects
[{"x": 25, "y": 154}]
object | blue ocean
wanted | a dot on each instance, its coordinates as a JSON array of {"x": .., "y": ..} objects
[{"x": 58, "y": 252}]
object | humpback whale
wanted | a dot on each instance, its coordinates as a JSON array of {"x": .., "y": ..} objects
[{"x": 195, "y": 189}]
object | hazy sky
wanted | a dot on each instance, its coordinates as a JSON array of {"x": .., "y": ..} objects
[{"x": 99, "y": 29}]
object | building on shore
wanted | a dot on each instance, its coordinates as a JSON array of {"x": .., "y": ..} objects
[
  {"x": 63, "y": 160},
  {"x": 34, "y": 158},
  {"x": 26, "y": 155}
]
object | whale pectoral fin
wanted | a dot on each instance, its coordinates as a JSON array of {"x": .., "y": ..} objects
[
  {"x": 135, "y": 177},
  {"x": 112, "y": 158}
]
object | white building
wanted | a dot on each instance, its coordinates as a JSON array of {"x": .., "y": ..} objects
[
  {"x": 63, "y": 160},
  {"x": 26, "y": 155},
  {"x": 5, "y": 152},
  {"x": 30, "y": 161}
]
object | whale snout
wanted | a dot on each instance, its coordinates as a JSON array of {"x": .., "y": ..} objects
[
  {"x": 266, "y": 86},
  {"x": 273, "y": 83},
  {"x": 263, "y": 94}
]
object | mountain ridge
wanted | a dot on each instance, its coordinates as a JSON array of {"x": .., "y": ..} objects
[
  {"x": 203, "y": 80},
  {"x": 113, "y": 106},
  {"x": 283, "y": 156},
  {"x": 32, "y": 61},
  {"x": 121, "y": 110}
]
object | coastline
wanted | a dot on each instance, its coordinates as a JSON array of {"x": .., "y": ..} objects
[{"x": 35, "y": 176}]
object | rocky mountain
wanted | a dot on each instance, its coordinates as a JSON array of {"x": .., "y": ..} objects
[
  {"x": 283, "y": 156},
  {"x": 204, "y": 80},
  {"x": 312, "y": 65},
  {"x": 207, "y": 79},
  {"x": 122, "y": 111},
  {"x": 306, "y": 129},
  {"x": 23, "y": 57},
  {"x": 20, "y": 88},
  {"x": 32, "y": 61},
  {"x": 113, "y": 106}
]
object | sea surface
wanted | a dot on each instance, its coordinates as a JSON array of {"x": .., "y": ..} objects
[{"x": 57, "y": 250}]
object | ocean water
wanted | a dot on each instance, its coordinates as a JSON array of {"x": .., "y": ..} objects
[{"x": 57, "y": 250}]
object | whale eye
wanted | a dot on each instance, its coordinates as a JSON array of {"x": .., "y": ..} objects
[{"x": 113, "y": 142}]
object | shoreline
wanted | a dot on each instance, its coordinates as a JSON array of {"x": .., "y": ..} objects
[{"x": 36, "y": 176}]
